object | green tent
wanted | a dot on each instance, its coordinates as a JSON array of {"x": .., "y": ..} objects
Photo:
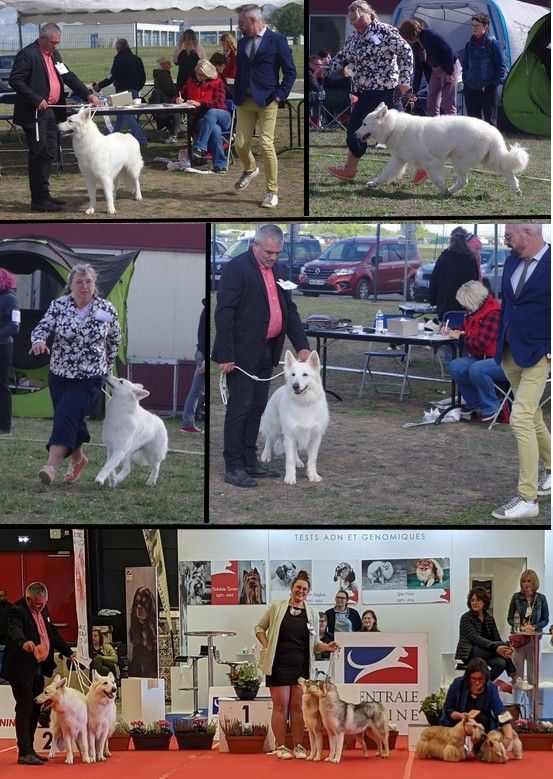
[
  {"x": 54, "y": 260},
  {"x": 527, "y": 89}
]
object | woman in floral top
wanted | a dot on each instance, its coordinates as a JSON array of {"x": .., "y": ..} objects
[
  {"x": 381, "y": 62},
  {"x": 86, "y": 336}
]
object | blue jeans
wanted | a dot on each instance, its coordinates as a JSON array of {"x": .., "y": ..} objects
[
  {"x": 128, "y": 120},
  {"x": 196, "y": 389},
  {"x": 475, "y": 379},
  {"x": 209, "y": 135}
]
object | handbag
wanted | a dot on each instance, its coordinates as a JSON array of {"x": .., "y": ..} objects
[
  {"x": 519, "y": 640},
  {"x": 327, "y": 322}
]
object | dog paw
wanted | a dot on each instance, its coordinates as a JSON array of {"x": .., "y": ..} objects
[
  {"x": 138, "y": 197},
  {"x": 69, "y": 760},
  {"x": 99, "y": 481},
  {"x": 86, "y": 760},
  {"x": 518, "y": 192},
  {"x": 265, "y": 457},
  {"x": 299, "y": 463},
  {"x": 89, "y": 210},
  {"x": 102, "y": 759},
  {"x": 112, "y": 211},
  {"x": 314, "y": 477},
  {"x": 373, "y": 183},
  {"x": 290, "y": 479}
]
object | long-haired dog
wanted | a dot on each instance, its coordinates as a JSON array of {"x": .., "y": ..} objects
[
  {"x": 142, "y": 631},
  {"x": 341, "y": 718},
  {"x": 345, "y": 576},
  {"x": 443, "y": 743},
  {"x": 68, "y": 719},
  {"x": 379, "y": 571},
  {"x": 312, "y": 717},
  {"x": 284, "y": 576},
  {"x": 429, "y": 572},
  {"x": 100, "y": 703},
  {"x": 252, "y": 589},
  {"x": 194, "y": 583},
  {"x": 493, "y": 750}
]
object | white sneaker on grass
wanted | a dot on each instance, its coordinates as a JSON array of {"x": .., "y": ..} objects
[
  {"x": 517, "y": 508},
  {"x": 270, "y": 200},
  {"x": 544, "y": 483},
  {"x": 246, "y": 179}
]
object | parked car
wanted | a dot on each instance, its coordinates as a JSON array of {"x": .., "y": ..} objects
[
  {"x": 306, "y": 248},
  {"x": 6, "y": 64},
  {"x": 489, "y": 258},
  {"x": 218, "y": 247},
  {"x": 349, "y": 267}
]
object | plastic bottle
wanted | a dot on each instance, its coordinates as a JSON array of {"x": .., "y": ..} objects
[
  {"x": 516, "y": 622},
  {"x": 379, "y": 321}
]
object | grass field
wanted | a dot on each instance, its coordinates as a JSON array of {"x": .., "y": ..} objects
[{"x": 486, "y": 194}]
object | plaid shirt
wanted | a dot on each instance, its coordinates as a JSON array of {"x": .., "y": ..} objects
[
  {"x": 211, "y": 94},
  {"x": 481, "y": 329},
  {"x": 379, "y": 57}
]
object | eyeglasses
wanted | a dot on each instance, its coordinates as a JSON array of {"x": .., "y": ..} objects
[{"x": 507, "y": 236}]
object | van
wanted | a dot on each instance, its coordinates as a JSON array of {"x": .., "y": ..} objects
[{"x": 350, "y": 266}]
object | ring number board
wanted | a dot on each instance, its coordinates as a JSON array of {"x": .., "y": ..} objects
[{"x": 248, "y": 713}]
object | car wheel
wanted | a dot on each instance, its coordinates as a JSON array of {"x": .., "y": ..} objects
[
  {"x": 410, "y": 289},
  {"x": 362, "y": 290},
  {"x": 310, "y": 294}
]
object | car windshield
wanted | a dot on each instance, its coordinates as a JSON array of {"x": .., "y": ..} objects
[{"x": 353, "y": 251}]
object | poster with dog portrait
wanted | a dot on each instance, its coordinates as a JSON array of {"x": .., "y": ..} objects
[
  {"x": 329, "y": 576},
  {"x": 282, "y": 573},
  {"x": 424, "y": 580},
  {"x": 195, "y": 582},
  {"x": 238, "y": 582},
  {"x": 142, "y": 622}
]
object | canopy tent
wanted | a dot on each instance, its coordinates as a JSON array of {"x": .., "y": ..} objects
[
  {"x": 510, "y": 20},
  {"x": 527, "y": 90},
  {"x": 38, "y": 11},
  {"x": 54, "y": 260}
]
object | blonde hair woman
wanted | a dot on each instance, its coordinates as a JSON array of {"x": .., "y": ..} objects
[
  {"x": 228, "y": 42},
  {"x": 186, "y": 54}
]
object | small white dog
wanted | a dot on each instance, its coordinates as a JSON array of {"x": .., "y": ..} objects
[
  {"x": 103, "y": 158},
  {"x": 296, "y": 417},
  {"x": 100, "y": 703},
  {"x": 379, "y": 571},
  {"x": 68, "y": 718},
  {"x": 131, "y": 434},
  {"x": 429, "y": 141}
]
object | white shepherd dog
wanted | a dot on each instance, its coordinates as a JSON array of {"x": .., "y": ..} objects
[
  {"x": 100, "y": 702},
  {"x": 296, "y": 417},
  {"x": 130, "y": 433},
  {"x": 68, "y": 718},
  {"x": 102, "y": 158},
  {"x": 427, "y": 142}
]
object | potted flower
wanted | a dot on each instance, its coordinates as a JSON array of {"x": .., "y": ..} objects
[
  {"x": 151, "y": 735},
  {"x": 195, "y": 733},
  {"x": 242, "y": 738},
  {"x": 432, "y": 706},
  {"x": 535, "y": 734},
  {"x": 121, "y": 736},
  {"x": 246, "y": 679}
]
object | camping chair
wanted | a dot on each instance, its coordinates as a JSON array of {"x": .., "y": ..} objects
[
  {"x": 229, "y": 134},
  {"x": 505, "y": 393},
  {"x": 336, "y": 107},
  {"x": 401, "y": 356}
]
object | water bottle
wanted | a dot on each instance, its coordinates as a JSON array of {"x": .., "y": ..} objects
[
  {"x": 516, "y": 622},
  {"x": 379, "y": 321}
]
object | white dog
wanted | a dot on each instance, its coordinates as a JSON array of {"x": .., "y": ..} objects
[
  {"x": 102, "y": 158},
  {"x": 296, "y": 417},
  {"x": 68, "y": 718},
  {"x": 130, "y": 433},
  {"x": 427, "y": 142},
  {"x": 379, "y": 571},
  {"x": 100, "y": 703}
]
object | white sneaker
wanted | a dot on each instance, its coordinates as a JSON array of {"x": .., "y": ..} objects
[
  {"x": 544, "y": 484},
  {"x": 171, "y": 139},
  {"x": 270, "y": 200},
  {"x": 522, "y": 684},
  {"x": 246, "y": 178},
  {"x": 284, "y": 753},
  {"x": 299, "y": 752},
  {"x": 517, "y": 508},
  {"x": 380, "y": 146}
]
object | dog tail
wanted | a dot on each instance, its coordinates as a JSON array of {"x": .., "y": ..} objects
[{"x": 507, "y": 160}]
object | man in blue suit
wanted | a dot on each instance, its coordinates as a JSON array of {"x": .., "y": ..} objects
[
  {"x": 258, "y": 90},
  {"x": 524, "y": 351}
]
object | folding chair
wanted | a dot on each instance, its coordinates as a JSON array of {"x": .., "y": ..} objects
[
  {"x": 505, "y": 393},
  {"x": 335, "y": 110},
  {"x": 401, "y": 357},
  {"x": 229, "y": 134}
]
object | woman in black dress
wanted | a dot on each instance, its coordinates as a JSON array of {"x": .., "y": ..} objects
[
  {"x": 186, "y": 56},
  {"x": 289, "y": 633}
]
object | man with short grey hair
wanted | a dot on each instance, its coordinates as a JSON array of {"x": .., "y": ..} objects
[
  {"x": 38, "y": 77},
  {"x": 254, "y": 313}
]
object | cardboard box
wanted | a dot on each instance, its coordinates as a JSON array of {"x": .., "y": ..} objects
[
  {"x": 120, "y": 98},
  {"x": 403, "y": 326}
]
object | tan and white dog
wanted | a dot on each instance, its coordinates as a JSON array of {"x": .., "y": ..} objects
[
  {"x": 493, "y": 749},
  {"x": 312, "y": 717},
  {"x": 68, "y": 718},
  {"x": 444, "y": 743},
  {"x": 100, "y": 703}
]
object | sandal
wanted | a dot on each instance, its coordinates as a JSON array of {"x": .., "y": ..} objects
[
  {"x": 47, "y": 474},
  {"x": 75, "y": 469}
]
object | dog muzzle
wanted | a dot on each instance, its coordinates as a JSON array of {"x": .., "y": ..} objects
[{"x": 297, "y": 390}]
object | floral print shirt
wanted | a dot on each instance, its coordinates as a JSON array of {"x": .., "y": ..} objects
[
  {"x": 379, "y": 57},
  {"x": 81, "y": 348}
]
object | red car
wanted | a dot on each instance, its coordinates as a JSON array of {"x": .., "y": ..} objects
[{"x": 350, "y": 267}]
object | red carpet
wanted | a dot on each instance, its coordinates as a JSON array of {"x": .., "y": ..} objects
[{"x": 215, "y": 765}]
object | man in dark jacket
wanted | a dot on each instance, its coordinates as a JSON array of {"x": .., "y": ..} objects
[
  {"x": 198, "y": 382},
  {"x": 128, "y": 75},
  {"x": 253, "y": 315},
  {"x": 38, "y": 77},
  {"x": 524, "y": 353},
  {"x": 28, "y": 658}
]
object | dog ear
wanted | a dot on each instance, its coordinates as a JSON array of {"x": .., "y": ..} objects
[
  {"x": 62, "y": 682},
  {"x": 381, "y": 110},
  {"x": 140, "y": 394},
  {"x": 314, "y": 360},
  {"x": 288, "y": 359}
]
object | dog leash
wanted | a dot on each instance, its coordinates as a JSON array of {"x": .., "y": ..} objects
[
  {"x": 223, "y": 388},
  {"x": 82, "y": 679}
]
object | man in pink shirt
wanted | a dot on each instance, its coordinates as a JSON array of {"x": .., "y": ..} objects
[
  {"x": 38, "y": 77},
  {"x": 254, "y": 314}
]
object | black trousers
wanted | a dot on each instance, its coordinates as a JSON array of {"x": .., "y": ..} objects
[
  {"x": 496, "y": 663},
  {"x": 27, "y": 711},
  {"x": 246, "y": 403},
  {"x": 42, "y": 154},
  {"x": 482, "y": 103},
  {"x": 6, "y": 351}
]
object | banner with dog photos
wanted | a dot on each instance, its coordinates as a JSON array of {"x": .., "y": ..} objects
[
  {"x": 426, "y": 580},
  {"x": 223, "y": 582}
]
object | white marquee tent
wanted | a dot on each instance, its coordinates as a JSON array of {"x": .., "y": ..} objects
[{"x": 510, "y": 20}]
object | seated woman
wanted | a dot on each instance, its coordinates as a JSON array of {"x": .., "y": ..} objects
[
  {"x": 475, "y": 372},
  {"x": 474, "y": 692},
  {"x": 206, "y": 91},
  {"x": 479, "y": 637},
  {"x": 104, "y": 656},
  {"x": 165, "y": 91}
]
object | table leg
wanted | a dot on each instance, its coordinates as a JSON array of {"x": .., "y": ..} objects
[
  {"x": 323, "y": 367},
  {"x": 536, "y": 680},
  {"x": 189, "y": 135},
  {"x": 210, "y": 648},
  {"x": 291, "y": 147}
]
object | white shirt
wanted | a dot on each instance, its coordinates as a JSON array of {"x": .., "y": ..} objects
[
  {"x": 532, "y": 265},
  {"x": 255, "y": 40}
]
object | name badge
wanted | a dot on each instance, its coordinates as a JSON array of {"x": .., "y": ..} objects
[
  {"x": 16, "y": 316},
  {"x": 375, "y": 39},
  {"x": 60, "y": 67},
  {"x": 103, "y": 316}
]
